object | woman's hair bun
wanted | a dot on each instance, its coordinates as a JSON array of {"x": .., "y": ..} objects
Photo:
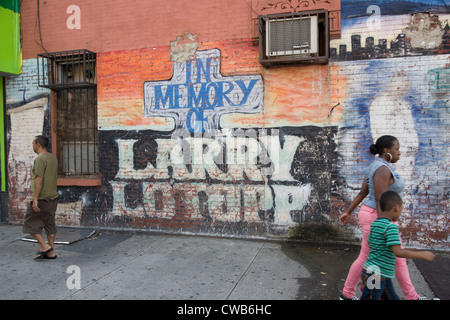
[{"x": 373, "y": 149}]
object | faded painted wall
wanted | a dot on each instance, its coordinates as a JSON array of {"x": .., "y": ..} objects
[
  {"x": 196, "y": 136},
  {"x": 198, "y": 96},
  {"x": 29, "y": 115},
  {"x": 233, "y": 181},
  {"x": 198, "y": 169},
  {"x": 398, "y": 85}
]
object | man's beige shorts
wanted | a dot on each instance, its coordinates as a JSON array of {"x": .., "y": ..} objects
[{"x": 34, "y": 222}]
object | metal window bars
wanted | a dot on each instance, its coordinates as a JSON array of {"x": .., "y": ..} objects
[
  {"x": 61, "y": 70},
  {"x": 76, "y": 130},
  {"x": 72, "y": 76}
]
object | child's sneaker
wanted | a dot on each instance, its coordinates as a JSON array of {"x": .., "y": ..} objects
[
  {"x": 425, "y": 298},
  {"x": 342, "y": 297}
]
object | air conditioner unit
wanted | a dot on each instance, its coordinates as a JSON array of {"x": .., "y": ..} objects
[{"x": 287, "y": 36}]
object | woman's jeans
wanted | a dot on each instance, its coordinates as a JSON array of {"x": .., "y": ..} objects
[
  {"x": 366, "y": 216},
  {"x": 377, "y": 287}
]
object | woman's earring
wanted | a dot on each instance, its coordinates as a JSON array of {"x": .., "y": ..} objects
[{"x": 390, "y": 156}]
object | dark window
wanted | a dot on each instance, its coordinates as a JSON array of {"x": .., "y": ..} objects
[
  {"x": 72, "y": 77},
  {"x": 76, "y": 131}
]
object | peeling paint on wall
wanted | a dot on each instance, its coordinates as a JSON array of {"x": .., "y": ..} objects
[
  {"x": 401, "y": 104},
  {"x": 240, "y": 160},
  {"x": 183, "y": 48},
  {"x": 196, "y": 136},
  {"x": 228, "y": 177},
  {"x": 425, "y": 31}
]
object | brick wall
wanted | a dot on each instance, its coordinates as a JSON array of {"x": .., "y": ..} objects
[
  {"x": 117, "y": 25},
  {"x": 232, "y": 147},
  {"x": 394, "y": 65},
  {"x": 27, "y": 107}
]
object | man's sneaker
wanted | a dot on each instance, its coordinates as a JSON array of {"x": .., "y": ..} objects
[{"x": 342, "y": 297}]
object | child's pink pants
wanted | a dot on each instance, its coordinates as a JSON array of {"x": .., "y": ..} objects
[{"x": 366, "y": 216}]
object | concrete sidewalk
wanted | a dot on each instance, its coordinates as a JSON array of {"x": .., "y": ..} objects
[{"x": 130, "y": 265}]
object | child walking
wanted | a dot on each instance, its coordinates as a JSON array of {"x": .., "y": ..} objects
[{"x": 385, "y": 245}]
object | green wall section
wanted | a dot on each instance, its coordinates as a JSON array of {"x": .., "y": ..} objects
[
  {"x": 2, "y": 139},
  {"x": 12, "y": 5},
  {"x": 10, "y": 49}
]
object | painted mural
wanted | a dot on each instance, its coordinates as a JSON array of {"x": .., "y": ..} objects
[
  {"x": 398, "y": 85},
  {"x": 198, "y": 95},
  {"x": 30, "y": 104},
  {"x": 199, "y": 137},
  {"x": 207, "y": 182},
  {"x": 201, "y": 171}
]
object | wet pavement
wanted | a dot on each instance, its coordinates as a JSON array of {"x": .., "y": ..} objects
[{"x": 113, "y": 265}]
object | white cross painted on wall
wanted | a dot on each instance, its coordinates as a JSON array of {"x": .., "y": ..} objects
[{"x": 198, "y": 95}]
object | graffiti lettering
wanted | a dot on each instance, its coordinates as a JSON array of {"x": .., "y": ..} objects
[
  {"x": 240, "y": 154},
  {"x": 226, "y": 203},
  {"x": 198, "y": 94},
  {"x": 225, "y": 160}
]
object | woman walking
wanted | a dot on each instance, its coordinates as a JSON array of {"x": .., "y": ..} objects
[{"x": 379, "y": 178}]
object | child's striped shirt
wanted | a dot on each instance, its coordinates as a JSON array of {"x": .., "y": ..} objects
[{"x": 383, "y": 235}]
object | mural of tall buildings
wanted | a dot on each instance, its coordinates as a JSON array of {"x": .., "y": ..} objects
[{"x": 400, "y": 47}]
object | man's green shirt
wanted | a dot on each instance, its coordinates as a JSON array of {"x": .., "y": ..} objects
[{"x": 46, "y": 166}]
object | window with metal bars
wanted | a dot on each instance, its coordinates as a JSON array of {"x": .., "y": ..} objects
[
  {"x": 72, "y": 77},
  {"x": 76, "y": 131}
]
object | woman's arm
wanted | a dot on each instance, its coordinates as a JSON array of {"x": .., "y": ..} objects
[
  {"x": 381, "y": 181},
  {"x": 363, "y": 192}
]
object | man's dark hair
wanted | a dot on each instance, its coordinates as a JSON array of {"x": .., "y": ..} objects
[
  {"x": 389, "y": 200},
  {"x": 42, "y": 140}
]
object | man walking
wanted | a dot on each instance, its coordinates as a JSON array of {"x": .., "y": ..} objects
[{"x": 41, "y": 210}]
